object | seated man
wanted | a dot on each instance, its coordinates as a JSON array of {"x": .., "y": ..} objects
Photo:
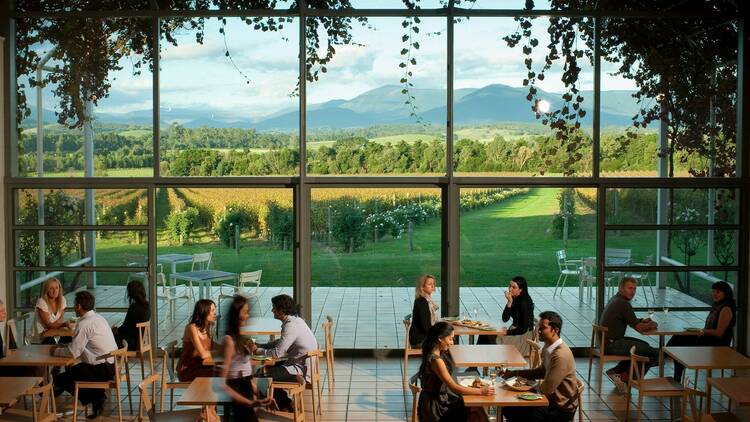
[
  {"x": 617, "y": 316},
  {"x": 92, "y": 337},
  {"x": 558, "y": 371},
  {"x": 295, "y": 342}
]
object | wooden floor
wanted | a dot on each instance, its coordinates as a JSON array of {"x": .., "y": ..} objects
[{"x": 371, "y": 317}]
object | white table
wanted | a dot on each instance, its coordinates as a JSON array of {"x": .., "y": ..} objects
[{"x": 204, "y": 278}]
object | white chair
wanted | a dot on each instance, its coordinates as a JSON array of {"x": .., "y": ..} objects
[
  {"x": 201, "y": 261},
  {"x": 644, "y": 278},
  {"x": 246, "y": 278},
  {"x": 171, "y": 293},
  {"x": 137, "y": 261},
  {"x": 586, "y": 277},
  {"x": 567, "y": 268}
]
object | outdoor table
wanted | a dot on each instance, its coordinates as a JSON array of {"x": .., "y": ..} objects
[
  {"x": 737, "y": 389},
  {"x": 668, "y": 328},
  {"x": 173, "y": 259},
  {"x": 708, "y": 358},
  {"x": 262, "y": 326},
  {"x": 204, "y": 278},
  {"x": 35, "y": 355},
  {"x": 460, "y": 330},
  {"x": 485, "y": 355},
  {"x": 13, "y": 387}
]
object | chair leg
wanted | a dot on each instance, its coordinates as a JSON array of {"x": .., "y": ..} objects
[
  {"x": 119, "y": 403},
  {"x": 557, "y": 285},
  {"x": 640, "y": 406},
  {"x": 130, "y": 396},
  {"x": 628, "y": 397},
  {"x": 406, "y": 367},
  {"x": 320, "y": 400},
  {"x": 314, "y": 408},
  {"x": 75, "y": 404}
]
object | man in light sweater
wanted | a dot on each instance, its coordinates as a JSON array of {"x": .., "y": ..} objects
[{"x": 558, "y": 371}]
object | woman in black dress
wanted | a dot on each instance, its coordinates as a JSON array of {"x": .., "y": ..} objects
[
  {"x": 138, "y": 311},
  {"x": 719, "y": 327},
  {"x": 441, "y": 396},
  {"x": 520, "y": 308},
  {"x": 424, "y": 314}
]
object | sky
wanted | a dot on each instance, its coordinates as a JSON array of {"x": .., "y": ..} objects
[{"x": 195, "y": 75}]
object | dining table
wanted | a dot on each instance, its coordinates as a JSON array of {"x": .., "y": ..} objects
[
  {"x": 11, "y": 388},
  {"x": 736, "y": 388},
  {"x": 206, "y": 391},
  {"x": 204, "y": 278},
  {"x": 486, "y": 355},
  {"x": 489, "y": 330},
  {"x": 263, "y": 327},
  {"x": 667, "y": 327},
  {"x": 36, "y": 355}
]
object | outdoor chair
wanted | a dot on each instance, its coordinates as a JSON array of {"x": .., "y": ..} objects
[
  {"x": 586, "y": 277},
  {"x": 147, "y": 388},
  {"x": 201, "y": 261},
  {"x": 408, "y": 350},
  {"x": 169, "y": 381},
  {"x": 644, "y": 278},
  {"x": 171, "y": 293},
  {"x": 328, "y": 351},
  {"x": 121, "y": 370},
  {"x": 252, "y": 277},
  {"x": 138, "y": 261},
  {"x": 655, "y": 387},
  {"x": 598, "y": 343},
  {"x": 43, "y": 407},
  {"x": 567, "y": 267},
  {"x": 144, "y": 348}
]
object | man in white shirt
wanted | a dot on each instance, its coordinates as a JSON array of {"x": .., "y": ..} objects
[
  {"x": 295, "y": 342},
  {"x": 92, "y": 338}
]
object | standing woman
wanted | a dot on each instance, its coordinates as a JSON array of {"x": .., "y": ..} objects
[
  {"x": 138, "y": 311},
  {"x": 719, "y": 327},
  {"x": 424, "y": 314},
  {"x": 197, "y": 343},
  {"x": 520, "y": 308},
  {"x": 50, "y": 312},
  {"x": 440, "y": 399},
  {"x": 237, "y": 371}
]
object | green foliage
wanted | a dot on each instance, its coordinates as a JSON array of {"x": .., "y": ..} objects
[
  {"x": 566, "y": 200},
  {"x": 236, "y": 215},
  {"x": 348, "y": 225},
  {"x": 180, "y": 225},
  {"x": 59, "y": 209},
  {"x": 280, "y": 223}
]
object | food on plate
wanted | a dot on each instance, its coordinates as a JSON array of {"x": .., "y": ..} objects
[{"x": 478, "y": 383}]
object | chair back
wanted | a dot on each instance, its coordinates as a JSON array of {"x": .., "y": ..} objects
[
  {"x": 598, "y": 339},
  {"x": 144, "y": 343},
  {"x": 415, "y": 390},
  {"x": 407, "y": 327},
  {"x": 168, "y": 357},
  {"x": 201, "y": 261},
  {"x": 11, "y": 334},
  {"x": 535, "y": 353},
  {"x": 45, "y": 410},
  {"x": 121, "y": 362},
  {"x": 147, "y": 388},
  {"x": 313, "y": 365},
  {"x": 637, "y": 368},
  {"x": 251, "y": 277},
  {"x": 328, "y": 334},
  {"x": 562, "y": 256}
]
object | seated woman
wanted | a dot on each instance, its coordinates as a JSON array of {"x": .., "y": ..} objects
[
  {"x": 520, "y": 308},
  {"x": 424, "y": 313},
  {"x": 238, "y": 373},
  {"x": 441, "y": 399},
  {"x": 138, "y": 311},
  {"x": 197, "y": 343},
  {"x": 50, "y": 313},
  {"x": 719, "y": 328}
]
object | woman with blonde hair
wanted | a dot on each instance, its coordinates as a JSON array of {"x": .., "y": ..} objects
[
  {"x": 425, "y": 311},
  {"x": 50, "y": 312}
]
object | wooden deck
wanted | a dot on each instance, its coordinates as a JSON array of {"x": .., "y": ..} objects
[{"x": 371, "y": 317}]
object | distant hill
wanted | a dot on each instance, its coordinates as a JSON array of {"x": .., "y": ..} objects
[{"x": 384, "y": 106}]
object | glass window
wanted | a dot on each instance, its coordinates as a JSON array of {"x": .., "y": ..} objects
[
  {"x": 680, "y": 206},
  {"x": 95, "y": 117},
  {"x": 379, "y": 106},
  {"x": 236, "y": 113},
  {"x": 503, "y": 126},
  {"x": 369, "y": 247},
  {"x": 63, "y": 207}
]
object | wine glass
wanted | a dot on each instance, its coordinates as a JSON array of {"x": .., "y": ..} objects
[
  {"x": 650, "y": 314},
  {"x": 476, "y": 314},
  {"x": 665, "y": 309},
  {"x": 493, "y": 375}
]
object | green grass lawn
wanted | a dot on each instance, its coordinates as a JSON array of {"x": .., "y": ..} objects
[{"x": 510, "y": 238}]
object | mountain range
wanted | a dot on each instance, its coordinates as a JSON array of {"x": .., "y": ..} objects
[{"x": 383, "y": 106}]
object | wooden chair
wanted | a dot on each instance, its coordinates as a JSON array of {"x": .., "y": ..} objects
[
  {"x": 296, "y": 392},
  {"x": 42, "y": 411},
  {"x": 579, "y": 395},
  {"x": 408, "y": 350},
  {"x": 535, "y": 353},
  {"x": 11, "y": 337},
  {"x": 598, "y": 343},
  {"x": 655, "y": 387},
  {"x": 147, "y": 388},
  {"x": 120, "y": 357},
  {"x": 415, "y": 390},
  {"x": 567, "y": 268},
  {"x": 169, "y": 381},
  {"x": 313, "y": 365},
  {"x": 328, "y": 351},
  {"x": 144, "y": 347}
]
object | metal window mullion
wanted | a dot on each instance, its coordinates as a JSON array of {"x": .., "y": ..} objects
[
  {"x": 631, "y": 227},
  {"x": 668, "y": 268},
  {"x": 156, "y": 130},
  {"x": 595, "y": 149},
  {"x": 151, "y": 260},
  {"x": 601, "y": 204},
  {"x": 80, "y": 227},
  {"x": 85, "y": 269}
]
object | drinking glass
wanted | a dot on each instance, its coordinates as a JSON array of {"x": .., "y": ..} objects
[
  {"x": 476, "y": 314},
  {"x": 650, "y": 314},
  {"x": 665, "y": 309},
  {"x": 493, "y": 376}
]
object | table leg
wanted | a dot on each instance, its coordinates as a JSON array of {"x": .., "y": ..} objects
[
  {"x": 661, "y": 356},
  {"x": 471, "y": 339},
  {"x": 708, "y": 397}
]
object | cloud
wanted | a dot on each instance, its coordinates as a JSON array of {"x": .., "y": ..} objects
[{"x": 190, "y": 49}]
